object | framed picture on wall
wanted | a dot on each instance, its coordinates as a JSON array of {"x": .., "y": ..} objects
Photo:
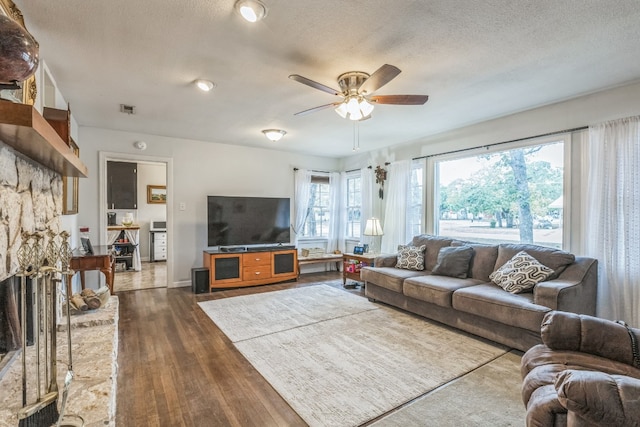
[
  {"x": 70, "y": 187},
  {"x": 156, "y": 194}
]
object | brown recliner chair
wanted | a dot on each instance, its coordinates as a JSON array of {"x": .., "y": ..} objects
[{"x": 587, "y": 373}]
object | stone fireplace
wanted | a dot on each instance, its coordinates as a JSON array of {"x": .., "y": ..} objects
[{"x": 30, "y": 200}]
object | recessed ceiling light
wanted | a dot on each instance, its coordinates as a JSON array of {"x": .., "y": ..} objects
[
  {"x": 274, "y": 134},
  {"x": 251, "y": 10},
  {"x": 204, "y": 85}
]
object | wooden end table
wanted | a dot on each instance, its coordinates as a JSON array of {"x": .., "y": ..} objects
[{"x": 351, "y": 270}]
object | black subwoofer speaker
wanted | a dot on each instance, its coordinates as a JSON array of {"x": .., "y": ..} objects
[{"x": 199, "y": 280}]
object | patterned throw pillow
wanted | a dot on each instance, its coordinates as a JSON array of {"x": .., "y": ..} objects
[
  {"x": 411, "y": 257},
  {"x": 520, "y": 274}
]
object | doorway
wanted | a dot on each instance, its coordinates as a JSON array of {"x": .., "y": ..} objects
[{"x": 153, "y": 173}]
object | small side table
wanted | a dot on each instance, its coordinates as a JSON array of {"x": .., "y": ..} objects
[{"x": 351, "y": 270}]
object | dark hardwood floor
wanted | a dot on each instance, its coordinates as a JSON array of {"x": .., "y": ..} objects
[{"x": 176, "y": 368}]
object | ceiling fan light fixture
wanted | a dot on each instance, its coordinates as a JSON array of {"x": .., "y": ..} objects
[
  {"x": 365, "y": 107},
  {"x": 251, "y": 10},
  {"x": 274, "y": 135},
  {"x": 342, "y": 110},
  {"x": 204, "y": 85}
]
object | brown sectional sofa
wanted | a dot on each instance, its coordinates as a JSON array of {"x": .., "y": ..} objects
[{"x": 475, "y": 304}]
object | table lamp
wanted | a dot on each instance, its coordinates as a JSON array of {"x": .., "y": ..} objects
[{"x": 373, "y": 228}]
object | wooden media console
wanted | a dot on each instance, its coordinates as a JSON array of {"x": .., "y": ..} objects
[{"x": 251, "y": 267}]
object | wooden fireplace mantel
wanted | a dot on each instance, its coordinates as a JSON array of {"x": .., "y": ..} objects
[{"x": 24, "y": 129}]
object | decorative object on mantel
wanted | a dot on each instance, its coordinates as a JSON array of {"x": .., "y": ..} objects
[
  {"x": 381, "y": 177},
  {"x": 18, "y": 56}
]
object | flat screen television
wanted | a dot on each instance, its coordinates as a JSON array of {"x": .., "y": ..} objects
[{"x": 241, "y": 221}]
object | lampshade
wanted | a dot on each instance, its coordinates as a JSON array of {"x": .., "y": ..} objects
[
  {"x": 354, "y": 108},
  {"x": 251, "y": 10},
  {"x": 274, "y": 134},
  {"x": 373, "y": 227}
]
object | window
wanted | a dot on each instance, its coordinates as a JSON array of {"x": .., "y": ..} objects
[
  {"x": 511, "y": 195},
  {"x": 354, "y": 206},
  {"x": 317, "y": 223},
  {"x": 416, "y": 199}
]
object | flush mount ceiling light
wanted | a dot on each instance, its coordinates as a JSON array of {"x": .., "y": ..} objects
[
  {"x": 274, "y": 135},
  {"x": 251, "y": 10},
  {"x": 204, "y": 85}
]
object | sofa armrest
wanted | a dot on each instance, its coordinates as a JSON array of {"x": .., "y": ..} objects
[
  {"x": 386, "y": 260},
  {"x": 599, "y": 398},
  {"x": 575, "y": 290},
  {"x": 588, "y": 334}
]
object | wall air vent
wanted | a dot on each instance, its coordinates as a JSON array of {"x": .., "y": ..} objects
[{"x": 128, "y": 109}]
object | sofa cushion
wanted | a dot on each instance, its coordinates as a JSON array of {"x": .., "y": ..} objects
[
  {"x": 435, "y": 289},
  {"x": 598, "y": 398},
  {"x": 410, "y": 257},
  {"x": 555, "y": 259},
  {"x": 520, "y": 274},
  {"x": 483, "y": 262},
  {"x": 453, "y": 261},
  {"x": 491, "y": 301},
  {"x": 433, "y": 244},
  {"x": 388, "y": 277}
]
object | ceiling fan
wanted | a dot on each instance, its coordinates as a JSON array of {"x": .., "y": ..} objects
[{"x": 357, "y": 90}]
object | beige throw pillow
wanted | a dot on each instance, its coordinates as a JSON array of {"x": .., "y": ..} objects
[
  {"x": 520, "y": 274},
  {"x": 411, "y": 257}
]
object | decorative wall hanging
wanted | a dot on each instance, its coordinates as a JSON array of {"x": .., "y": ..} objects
[
  {"x": 381, "y": 177},
  {"x": 156, "y": 194}
]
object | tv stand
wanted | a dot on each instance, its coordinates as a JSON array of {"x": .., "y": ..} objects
[{"x": 251, "y": 267}]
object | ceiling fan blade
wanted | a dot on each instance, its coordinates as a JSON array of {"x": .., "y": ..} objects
[
  {"x": 379, "y": 78},
  {"x": 399, "y": 99},
  {"x": 314, "y": 109},
  {"x": 313, "y": 84}
]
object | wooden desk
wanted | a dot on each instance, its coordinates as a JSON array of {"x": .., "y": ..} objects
[{"x": 101, "y": 259}]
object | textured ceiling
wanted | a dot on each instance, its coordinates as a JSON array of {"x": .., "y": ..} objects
[{"x": 476, "y": 60}]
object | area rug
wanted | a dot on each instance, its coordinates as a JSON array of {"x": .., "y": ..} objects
[
  {"x": 340, "y": 360},
  {"x": 490, "y": 395}
]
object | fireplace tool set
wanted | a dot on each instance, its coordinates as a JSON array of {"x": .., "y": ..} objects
[{"x": 46, "y": 266}]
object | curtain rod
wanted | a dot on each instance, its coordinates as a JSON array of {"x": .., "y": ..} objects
[
  {"x": 503, "y": 142},
  {"x": 296, "y": 169},
  {"x": 368, "y": 167}
]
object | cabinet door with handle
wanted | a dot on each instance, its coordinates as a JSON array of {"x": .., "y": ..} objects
[{"x": 122, "y": 185}]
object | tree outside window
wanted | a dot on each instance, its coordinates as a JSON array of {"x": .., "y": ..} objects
[
  {"x": 318, "y": 215},
  {"x": 513, "y": 195}
]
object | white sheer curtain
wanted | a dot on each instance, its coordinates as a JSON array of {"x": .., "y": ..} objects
[
  {"x": 302, "y": 188},
  {"x": 366, "y": 206},
  {"x": 396, "y": 227},
  {"x": 612, "y": 226},
  {"x": 335, "y": 187}
]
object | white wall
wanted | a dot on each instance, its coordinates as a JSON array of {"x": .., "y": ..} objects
[
  {"x": 149, "y": 174},
  {"x": 199, "y": 169},
  {"x": 579, "y": 112},
  {"x": 583, "y": 111}
]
